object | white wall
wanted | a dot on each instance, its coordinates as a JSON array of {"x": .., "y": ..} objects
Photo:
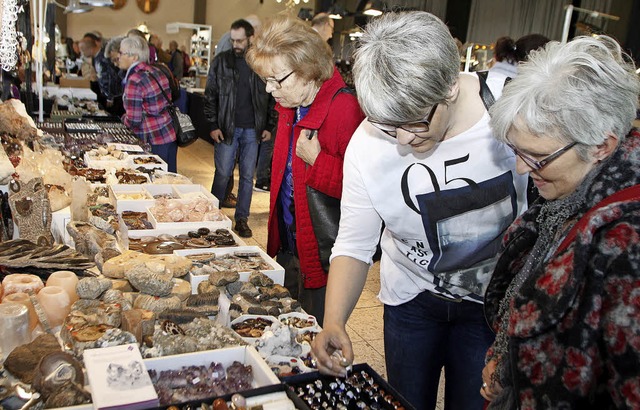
[
  {"x": 117, "y": 22},
  {"x": 220, "y": 15}
]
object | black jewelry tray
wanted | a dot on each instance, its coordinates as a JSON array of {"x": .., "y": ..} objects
[{"x": 373, "y": 385}]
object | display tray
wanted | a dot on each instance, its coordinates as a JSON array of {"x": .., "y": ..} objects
[
  {"x": 159, "y": 162},
  {"x": 247, "y": 355},
  {"x": 225, "y": 222},
  {"x": 138, "y": 205},
  {"x": 124, "y": 241},
  {"x": 269, "y": 397},
  {"x": 276, "y": 272},
  {"x": 366, "y": 386},
  {"x": 187, "y": 191}
]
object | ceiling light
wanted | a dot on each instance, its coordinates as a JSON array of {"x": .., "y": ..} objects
[
  {"x": 97, "y": 3},
  {"x": 337, "y": 12},
  {"x": 75, "y": 7},
  {"x": 373, "y": 8}
]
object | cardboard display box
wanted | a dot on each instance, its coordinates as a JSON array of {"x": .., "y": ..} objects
[{"x": 74, "y": 82}]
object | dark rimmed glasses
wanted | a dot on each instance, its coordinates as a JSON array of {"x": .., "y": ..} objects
[
  {"x": 537, "y": 165},
  {"x": 418, "y": 127},
  {"x": 275, "y": 82}
]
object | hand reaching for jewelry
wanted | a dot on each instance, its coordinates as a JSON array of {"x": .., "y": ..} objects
[{"x": 332, "y": 351}]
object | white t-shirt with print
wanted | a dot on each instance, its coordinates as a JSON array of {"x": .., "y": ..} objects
[{"x": 444, "y": 211}]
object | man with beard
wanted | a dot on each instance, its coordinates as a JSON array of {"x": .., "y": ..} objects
[{"x": 241, "y": 114}]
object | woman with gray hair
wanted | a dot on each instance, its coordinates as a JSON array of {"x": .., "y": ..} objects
[
  {"x": 563, "y": 299},
  {"x": 426, "y": 164},
  {"x": 147, "y": 100}
]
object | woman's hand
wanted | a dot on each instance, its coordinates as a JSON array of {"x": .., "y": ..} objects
[
  {"x": 332, "y": 351},
  {"x": 308, "y": 146},
  {"x": 490, "y": 388}
]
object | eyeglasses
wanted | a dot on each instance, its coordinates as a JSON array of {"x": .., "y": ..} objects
[
  {"x": 275, "y": 82},
  {"x": 537, "y": 165},
  {"x": 237, "y": 41},
  {"x": 418, "y": 127},
  {"x": 126, "y": 53}
]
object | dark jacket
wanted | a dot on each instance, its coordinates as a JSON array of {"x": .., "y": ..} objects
[
  {"x": 574, "y": 325},
  {"x": 336, "y": 116},
  {"x": 220, "y": 98}
]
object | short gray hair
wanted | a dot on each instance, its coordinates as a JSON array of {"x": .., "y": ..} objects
[
  {"x": 577, "y": 92},
  {"x": 405, "y": 63},
  {"x": 136, "y": 45},
  {"x": 112, "y": 45}
]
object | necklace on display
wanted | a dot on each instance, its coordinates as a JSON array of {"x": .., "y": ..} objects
[{"x": 8, "y": 35}]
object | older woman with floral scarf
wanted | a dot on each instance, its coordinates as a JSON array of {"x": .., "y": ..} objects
[{"x": 564, "y": 299}]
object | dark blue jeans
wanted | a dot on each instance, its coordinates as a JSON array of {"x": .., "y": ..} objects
[
  {"x": 428, "y": 333},
  {"x": 263, "y": 169},
  {"x": 245, "y": 145},
  {"x": 169, "y": 153}
]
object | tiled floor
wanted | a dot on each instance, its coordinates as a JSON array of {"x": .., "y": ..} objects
[{"x": 365, "y": 323}]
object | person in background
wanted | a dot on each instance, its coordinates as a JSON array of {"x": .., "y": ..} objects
[
  {"x": 224, "y": 43},
  {"x": 507, "y": 53},
  {"x": 187, "y": 61},
  {"x": 153, "y": 54},
  {"x": 426, "y": 164},
  {"x": 71, "y": 53},
  {"x": 317, "y": 116},
  {"x": 146, "y": 107},
  {"x": 323, "y": 24},
  {"x": 230, "y": 200},
  {"x": 162, "y": 55},
  {"x": 112, "y": 77},
  {"x": 563, "y": 297},
  {"x": 88, "y": 49},
  {"x": 176, "y": 64},
  {"x": 240, "y": 113},
  {"x": 10, "y": 85}
]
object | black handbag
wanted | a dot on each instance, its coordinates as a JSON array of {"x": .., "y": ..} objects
[
  {"x": 325, "y": 218},
  {"x": 185, "y": 131},
  {"x": 325, "y": 212}
]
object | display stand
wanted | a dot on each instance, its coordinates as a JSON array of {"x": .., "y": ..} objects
[{"x": 200, "y": 49}]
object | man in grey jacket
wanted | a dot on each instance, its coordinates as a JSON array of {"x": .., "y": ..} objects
[{"x": 240, "y": 114}]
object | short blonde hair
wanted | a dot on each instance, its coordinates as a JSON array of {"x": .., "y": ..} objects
[{"x": 296, "y": 43}]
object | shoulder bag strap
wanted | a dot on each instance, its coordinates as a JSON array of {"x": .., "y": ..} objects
[
  {"x": 485, "y": 93},
  {"x": 628, "y": 194},
  {"x": 161, "y": 89}
]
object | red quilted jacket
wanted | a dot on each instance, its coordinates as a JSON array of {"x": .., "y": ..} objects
[{"x": 335, "y": 119}]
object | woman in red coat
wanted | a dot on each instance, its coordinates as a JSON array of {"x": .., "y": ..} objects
[{"x": 318, "y": 115}]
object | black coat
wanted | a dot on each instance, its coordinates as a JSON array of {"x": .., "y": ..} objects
[{"x": 220, "y": 98}]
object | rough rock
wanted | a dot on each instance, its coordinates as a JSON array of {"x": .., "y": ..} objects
[
  {"x": 150, "y": 278},
  {"x": 23, "y": 360},
  {"x": 92, "y": 288},
  {"x": 92, "y": 241},
  {"x": 156, "y": 304},
  {"x": 221, "y": 278}
]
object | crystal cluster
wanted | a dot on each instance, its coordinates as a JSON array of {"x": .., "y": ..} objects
[{"x": 200, "y": 382}]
